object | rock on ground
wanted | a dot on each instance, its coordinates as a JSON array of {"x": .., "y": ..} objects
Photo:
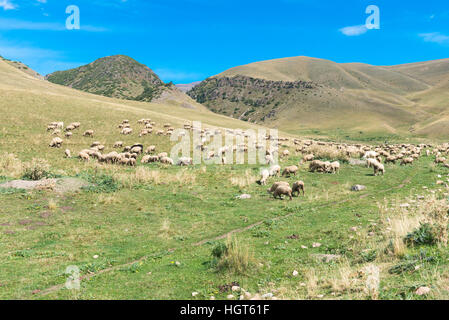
[{"x": 61, "y": 185}]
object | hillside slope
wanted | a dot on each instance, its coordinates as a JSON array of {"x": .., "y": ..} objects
[
  {"x": 350, "y": 97},
  {"x": 115, "y": 76},
  {"x": 39, "y": 102}
]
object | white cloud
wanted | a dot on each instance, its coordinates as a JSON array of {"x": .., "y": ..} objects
[
  {"x": 435, "y": 37},
  {"x": 7, "y": 5},
  {"x": 354, "y": 30}
]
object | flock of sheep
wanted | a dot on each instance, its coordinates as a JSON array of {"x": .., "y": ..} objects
[{"x": 373, "y": 156}]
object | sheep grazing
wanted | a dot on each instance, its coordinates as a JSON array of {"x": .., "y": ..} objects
[
  {"x": 56, "y": 142},
  {"x": 162, "y": 155},
  {"x": 440, "y": 160},
  {"x": 378, "y": 167},
  {"x": 285, "y": 153},
  {"x": 150, "y": 150},
  {"x": 335, "y": 167},
  {"x": 264, "y": 175},
  {"x": 149, "y": 159},
  {"x": 88, "y": 133},
  {"x": 391, "y": 159},
  {"x": 298, "y": 187},
  {"x": 126, "y": 131},
  {"x": 184, "y": 161},
  {"x": 370, "y": 154},
  {"x": 166, "y": 160},
  {"x": 308, "y": 157},
  {"x": 95, "y": 144},
  {"x": 319, "y": 166},
  {"x": 68, "y": 135},
  {"x": 283, "y": 190},
  {"x": 83, "y": 156},
  {"x": 67, "y": 153},
  {"x": 137, "y": 148},
  {"x": 291, "y": 170},
  {"x": 276, "y": 185},
  {"x": 118, "y": 144},
  {"x": 275, "y": 171},
  {"x": 406, "y": 161}
]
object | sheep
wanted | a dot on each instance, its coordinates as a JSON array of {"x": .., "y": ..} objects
[
  {"x": 285, "y": 153},
  {"x": 370, "y": 154},
  {"x": 67, "y": 153},
  {"x": 275, "y": 171},
  {"x": 83, "y": 156},
  {"x": 318, "y": 165},
  {"x": 298, "y": 186},
  {"x": 269, "y": 159},
  {"x": 118, "y": 144},
  {"x": 137, "y": 148},
  {"x": 335, "y": 167},
  {"x": 391, "y": 159},
  {"x": 379, "y": 167},
  {"x": 276, "y": 185},
  {"x": 166, "y": 160},
  {"x": 68, "y": 135},
  {"x": 88, "y": 133},
  {"x": 126, "y": 131},
  {"x": 308, "y": 157},
  {"x": 283, "y": 190},
  {"x": 265, "y": 174},
  {"x": 149, "y": 159},
  {"x": 56, "y": 142},
  {"x": 70, "y": 128},
  {"x": 406, "y": 161},
  {"x": 440, "y": 160},
  {"x": 184, "y": 161},
  {"x": 95, "y": 144},
  {"x": 162, "y": 155},
  {"x": 291, "y": 170},
  {"x": 150, "y": 150},
  {"x": 370, "y": 162}
]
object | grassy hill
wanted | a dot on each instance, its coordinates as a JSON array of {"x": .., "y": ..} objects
[
  {"x": 155, "y": 231},
  {"x": 343, "y": 99},
  {"x": 116, "y": 76}
]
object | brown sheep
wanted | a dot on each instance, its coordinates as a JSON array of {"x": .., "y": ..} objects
[
  {"x": 88, "y": 133},
  {"x": 291, "y": 170},
  {"x": 283, "y": 190},
  {"x": 276, "y": 185},
  {"x": 298, "y": 186}
]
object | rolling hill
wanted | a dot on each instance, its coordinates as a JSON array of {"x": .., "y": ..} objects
[
  {"x": 349, "y": 97},
  {"x": 116, "y": 76}
]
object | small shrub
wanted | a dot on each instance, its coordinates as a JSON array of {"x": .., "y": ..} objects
[
  {"x": 424, "y": 235},
  {"x": 37, "y": 169},
  {"x": 232, "y": 256}
]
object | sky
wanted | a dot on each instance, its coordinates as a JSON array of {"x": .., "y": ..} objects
[{"x": 189, "y": 40}]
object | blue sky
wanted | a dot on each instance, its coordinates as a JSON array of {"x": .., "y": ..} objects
[{"x": 189, "y": 40}]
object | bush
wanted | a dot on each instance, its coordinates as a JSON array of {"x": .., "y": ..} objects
[
  {"x": 425, "y": 234},
  {"x": 37, "y": 169},
  {"x": 232, "y": 256}
]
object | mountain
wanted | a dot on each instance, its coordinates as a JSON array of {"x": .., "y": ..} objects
[
  {"x": 187, "y": 87},
  {"x": 116, "y": 76},
  {"x": 302, "y": 94}
]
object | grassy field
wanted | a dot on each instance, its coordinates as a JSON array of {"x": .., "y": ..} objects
[{"x": 160, "y": 232}]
